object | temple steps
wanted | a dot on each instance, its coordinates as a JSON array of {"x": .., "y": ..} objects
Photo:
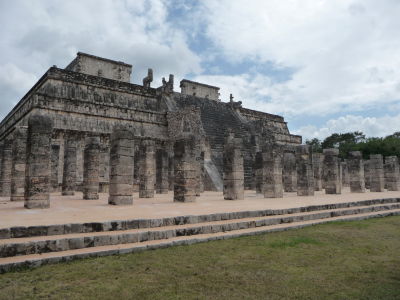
[{"x": 38, "y": 250}]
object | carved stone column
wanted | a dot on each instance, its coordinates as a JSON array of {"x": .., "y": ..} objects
[
  {"x": 367, "y": 174},
  {"x": 38, "y": 162},
  {"x": 55, "y": 157},
  {"x": 376, "y": 173},
  {"x": 162, "y": 164},
  {"x": 91, "y": 164},
  {"x": 305, "y": 176},
  {"x": 6, "y": 166},
  {"x": 259, "y": 172},
  {"x": 147, "y": 169},
  {"x": 333, "y": 183},
  {"x": 121, "y": 166},
  {"x": 289, "y": 172},
  {"x": 345, "y": 174},
  {"x": 317, "y": 160},
  {"x": 70, "y": 167},
  {"x": 356, "y": 172},
  {"x": 18, "y": 164},
  {"x": 273, "y": 187},
  {"x": 392, "y": 173},
  {"x": 233, "y": 169}
]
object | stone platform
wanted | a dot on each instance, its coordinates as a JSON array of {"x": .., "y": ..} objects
[{"x": 73, "y": 228}]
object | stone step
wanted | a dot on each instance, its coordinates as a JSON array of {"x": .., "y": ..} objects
[
  {"x": 45, "y": 244},
  {"x": 118, "y": 225},
  {"x": 35, "y": 260}
]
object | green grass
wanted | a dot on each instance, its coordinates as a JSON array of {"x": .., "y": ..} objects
[{"x": 343, "y": 260}]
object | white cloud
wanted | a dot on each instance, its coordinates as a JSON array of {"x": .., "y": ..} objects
[
  {"x": 370, "y": 126},
  {"x": 344, "y": 53}
]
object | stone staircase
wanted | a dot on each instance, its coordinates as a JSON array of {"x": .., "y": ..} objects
[{"x": 38, "y": 245}]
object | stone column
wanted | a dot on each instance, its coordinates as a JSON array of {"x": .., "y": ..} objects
[
  {"x": 38, "y": 162},
  {"x": 317, "y": 160},
  {"x": 259, "y": 173},
  {"x": 333, "y": 184},
  {"x": 367, "y": 174},
  {"x": 147, "y": 169},
  {"x": 18, "y": 164},
  {"x": 199, "y": 171},
  {"x": 345, "y": 174},
  {"x": 273, "y": 187},
  {"x": 233, "y": 169},
  {"x": 185, "y": 169},
  {"x": 91, "y": 168},
  {"x": 55, "y": 155},
  {"x": 6, "y": 166},
  {"x": 162, "y": 163},
  {"x": 121, "y": 166},
  {"x": 289, "y": 172},
  {"x": 305, "y": 176},
  {"x": 69, "y": 171},
  {"x": 356, "y": 172},
  {"x": 392, "y": 173},
  {"x": 376, "y": 173}
]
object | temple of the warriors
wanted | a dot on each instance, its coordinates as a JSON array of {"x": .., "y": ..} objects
[{"x": 93, "y": 95}]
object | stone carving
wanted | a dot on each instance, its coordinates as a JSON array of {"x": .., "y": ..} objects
[
  {"x": 317, "y": 160},
  {"x": 148, "y": 79},
  {"x": 233, "y": 168},
  {"x": 272, "y": 160},
  {"x": 305, "y": 176},
  {"x": 18, "y": 164},
  {"x": 6, "y": 166},
  {"x": 147, "y": 169},
  {"x": 168, "y": 86},
  {"x": 162, "y": 165},
  {"x": 376, "y": 173},
  {"x": 333, "y": 182},
  {"x": 356, "y": 172},
  {"x": 70, "y": 166},
  {"x": 121, "y": 166},
  {"x": 185, "y": 122},
  {"x": 289, "y": 172},
  {"x": 38, "y": 162},
  {"x": 91, "y": 168}
]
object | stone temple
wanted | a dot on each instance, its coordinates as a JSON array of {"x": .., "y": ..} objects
[{"x": 93, "y": 95}]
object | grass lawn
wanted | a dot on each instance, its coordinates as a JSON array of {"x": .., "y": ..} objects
[{"x": 343, "y": 260}]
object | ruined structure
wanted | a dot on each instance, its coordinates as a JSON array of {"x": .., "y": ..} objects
[
  {"x": 377, "y": 180},
  {"x": 356, "y": 172},
  {"x": 305, "y": 174},
  {"x": 317, "y": 160},
  {"x": 233, "y": 168},
  {"x": 332, "y": 171},
  {"x": 392, "y": 173}
]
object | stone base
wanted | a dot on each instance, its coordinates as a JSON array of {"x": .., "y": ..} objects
[
  {"x": 17, "y": 198},
  {"x": 185, "y": 198},
  {"x": 37, "y": 203},
  {"x": 91, "y": 196},
  {"x": 162, "y": 191},
  {"x": 67, "y": 193},
  {"x": 301, "y": 192},
  {"x": 120, "y": 200},
  {"x": 146, "y": 193}
]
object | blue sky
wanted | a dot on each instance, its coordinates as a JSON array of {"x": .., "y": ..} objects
[{"x": 326, "y": 66}]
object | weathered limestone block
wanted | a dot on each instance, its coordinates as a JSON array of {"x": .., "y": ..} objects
[
  {"x": 55, "y": 155},
  {"x": 367, "y": 174},
  {"x": 121, "y": 166},
  {"x": 333, "y": 183},
  {"x": 6, "y": 166},
  {"x": 70, "y": 167},
  {"x": 38, "y": 162},
  {"x": 289, "y": 172},
  {"x": 259, "y": 173},
  {"x": 345, "y": 174},
  {"x": 233, "y": 169},
  {"x": 171, "y": 172},
  {"x": 185, "y": 169},
  {"x": 305, "y": 176},
  {"x": 356, "y": 172},
  {"x": 273, "y": 187},
  {"x": 91, "y": 163},
  {"x": 376, "y": 173},
  {"x": 317, "y": 160},
  {"x": 147, "y": 169},
  {"x": 162, "y": 174},
  {"x": 392, "y": 173},
  {"x": 18, "y": 164},
  {"x": 199, "y": 170}
]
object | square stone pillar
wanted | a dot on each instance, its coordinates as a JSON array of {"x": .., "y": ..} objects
[
  {"x": 289, "y": 172},
  {"x": 367, "y": 174},
  {"x": 38, "y": 162},
  {"x": 18, "y": 164},
  {"x": 70, "y": 167},
  {"x": 259, "y": 173},
  {"x": 233, "y": 170},
  {"x": 55, "y": 157},
  {"x": 121, "y": 166},
  {"x": 356, "y": 172},
  {"x": 6, "y": 166},
  {"x": 185, "y": 169},
  {"x": 317, "y": 160},
  {"x": 392, "y": 173},
  {"x": 91, "y": 168},
  {"x": 376, "y": 173},
  {"x": 333, "y": 183},
  {"x": 273, "y": 186},
  {"x": 199, "y": 170},
  {"x": 162, "y": 164},
  {"x": 345, "y": 174},
  {"x": 147, "y": 169},
  {"x": 305, "y": 175}
]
